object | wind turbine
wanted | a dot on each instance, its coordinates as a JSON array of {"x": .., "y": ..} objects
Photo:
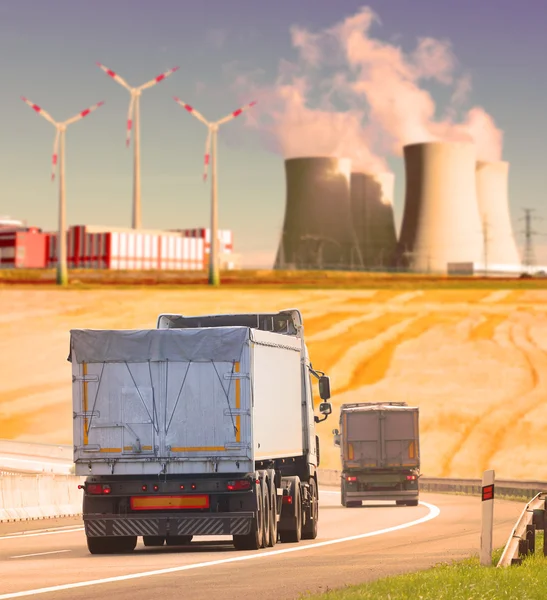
[
  {"x": 214, "y": 277},
  {"x": 134, "y": 109},
  {"x": 59, "y": 152}
]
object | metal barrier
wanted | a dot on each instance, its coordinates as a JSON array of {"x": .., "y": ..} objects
[{"x": 522, "y": 540}]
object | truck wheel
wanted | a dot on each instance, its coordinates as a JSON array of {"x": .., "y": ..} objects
[
  {"x": 273, "y": 514},
  {"x": 294, "y": 535},
  {"x": 412, "y": 503},
  {"x": 309, "y": 531},
  {"x": 354, "y": 503},
  {"x": 111, "y": 545},
  {"x": 178, "y": 540},
  {"x": 253, "y": 539},
  {"x": 343, "y": 495},
  {"x": 266, "y": 513},
  {"x": 153, "y": 540}
]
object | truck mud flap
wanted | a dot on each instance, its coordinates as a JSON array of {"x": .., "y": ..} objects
[{"x": 125, "y": 525}]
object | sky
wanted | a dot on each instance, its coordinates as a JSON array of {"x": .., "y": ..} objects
[{"x": 486, "y": 55}]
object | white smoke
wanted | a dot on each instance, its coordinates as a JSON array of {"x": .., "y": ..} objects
[{"x": 352, "y": 95}]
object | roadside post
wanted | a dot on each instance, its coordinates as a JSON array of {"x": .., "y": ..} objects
[{"x": 487, "y": 521}]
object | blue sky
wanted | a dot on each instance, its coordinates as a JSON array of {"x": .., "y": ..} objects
[{"x": 48, "y": 52}]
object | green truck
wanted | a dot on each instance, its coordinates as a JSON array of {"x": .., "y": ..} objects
[{"x": 380, "y": 453}]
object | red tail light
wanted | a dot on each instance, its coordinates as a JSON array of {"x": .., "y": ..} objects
[
  {"x": 97, "y": 488},
  {"x": 287, "y": 499},
  {"x": 411, "y": 477},
  {"x": 238, "y": 484},
  {"x": 351, "y": 478}
]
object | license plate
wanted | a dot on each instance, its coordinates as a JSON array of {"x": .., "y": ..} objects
[{"x": 168, "y": 502}]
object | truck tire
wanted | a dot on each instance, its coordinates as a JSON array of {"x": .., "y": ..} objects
[
  {"x": 178, "y": 540},
  {"x": 273, "y": 514},
  {"x": 343, "y": 495},
  {"x": 153, "y": 540},
  {"x": 111, "y": 545},
  {"x": 309, "y": 531},
  {"x": 412, "y": 502},
  {"x": 354, "y": 503},
  {"x": 266, "y": 513},
  {"x": 253, "y": 539},
  {"x": 294, "y": 535}
]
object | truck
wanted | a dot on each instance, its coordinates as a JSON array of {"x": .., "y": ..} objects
[
  {"x": 202, "y": 426},
  {"x": 380, "y": 453}
]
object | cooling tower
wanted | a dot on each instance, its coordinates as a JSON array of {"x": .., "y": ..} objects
[
  {"x": 441, "y": 220},
  {"x": 317, "y": 229},
  {"x": 499, "y": 243},
  {"x": 373, "y": 220}
]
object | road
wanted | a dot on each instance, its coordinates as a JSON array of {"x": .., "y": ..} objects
[{"x": 354, "y": 545}]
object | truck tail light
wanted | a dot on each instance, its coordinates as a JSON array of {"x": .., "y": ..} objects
[
  {"x": 411, "y": 477},
  {"x": 287, "y": 499},
  {"x": 351, "y": 478},
  {"x": 238, "y": 484},
  {"x": 97, "y": 488}
]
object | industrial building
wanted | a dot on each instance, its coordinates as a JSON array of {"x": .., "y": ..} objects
[
  {"x": 115, "y": 248},
  {"x": 441, "y": 221},
  {"x": 499, "y": 245},
  {"x": 317, "y": 230},
  {"x": 373, "y": 218}
]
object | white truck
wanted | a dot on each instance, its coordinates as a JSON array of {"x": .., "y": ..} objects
[{"x": 203, "y": 426}]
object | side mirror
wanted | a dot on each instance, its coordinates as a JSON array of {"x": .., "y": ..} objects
[
  {"x": 324, "y": 388},
  {"x": 337, "y": 440},
  {"x": 325, "y": 408},
  {"x": 335, "y": 432}
]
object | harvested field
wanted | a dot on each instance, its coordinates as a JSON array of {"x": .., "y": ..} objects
[{"x": 474, "y": 360}]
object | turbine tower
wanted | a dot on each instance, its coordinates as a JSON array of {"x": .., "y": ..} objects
[
  {"x": 211, "y": 149},
  {"x": 134, "y": 115},
  {"x": 59, "y": 151}
]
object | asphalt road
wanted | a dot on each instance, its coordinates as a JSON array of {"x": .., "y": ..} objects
[{"x": 354, "y": 545}]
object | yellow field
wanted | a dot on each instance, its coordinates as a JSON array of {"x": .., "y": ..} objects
[{"x": 475, "y": 361}]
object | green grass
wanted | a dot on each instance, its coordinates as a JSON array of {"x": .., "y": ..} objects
[{"x": 465, "y": 580}]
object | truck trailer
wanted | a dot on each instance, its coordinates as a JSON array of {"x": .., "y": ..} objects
[
  {"x": 203, "y": 426},
  {"x": 380, "y": 453}
]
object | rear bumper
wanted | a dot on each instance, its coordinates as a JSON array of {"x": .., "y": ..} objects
[
  {"x": 384, "y": 495},
  {"x": 100, "y": 525}
]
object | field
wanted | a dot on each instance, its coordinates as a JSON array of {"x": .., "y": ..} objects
[{"x": 474, "y": 360}]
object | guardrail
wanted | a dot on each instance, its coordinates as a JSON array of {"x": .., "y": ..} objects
[
  {"x": 504, "y": 487},
  {"x": 522, "y": 540}
]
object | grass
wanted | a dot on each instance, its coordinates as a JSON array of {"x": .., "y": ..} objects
[
  {"x": 462, "y": 580},
  {"x": 91, "y": 278}
]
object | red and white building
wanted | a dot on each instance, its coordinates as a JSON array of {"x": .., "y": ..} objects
[
  {"x": 22, "y": 248},
  {"x": 96, "y": 247}
]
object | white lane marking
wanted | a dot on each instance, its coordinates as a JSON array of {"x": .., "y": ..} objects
[
  {"x": 434, "y": 512},
  {"x": 40, "y": 553},
  {"x": 27, "y": 535}
]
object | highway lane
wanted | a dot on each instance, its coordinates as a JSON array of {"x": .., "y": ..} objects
[{"x": 204, "y": 570}]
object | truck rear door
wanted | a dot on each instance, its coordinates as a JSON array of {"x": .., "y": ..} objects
[
  {"x": 400, "y": 435},
  {"x": 362, "y": 447}
]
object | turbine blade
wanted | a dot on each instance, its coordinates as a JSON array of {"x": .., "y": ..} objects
[
  {"x": 115, "y": 76},
  {"x": 192, "y": 111},
  {"x": 39, "y": 110},
  {"x": 84, "y": 113},
  {"x": 55, "y": 154},
  {"x": 130, "y": 121},
  {"x": 236, "y": 113},
  {"x": 207, "y": 154},
  {"x": 159, "y": 78}
]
